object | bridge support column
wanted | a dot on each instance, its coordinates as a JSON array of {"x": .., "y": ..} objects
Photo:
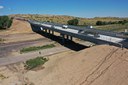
[
  {"x": 52, "y": 32},
  {"x": 67, "y": 37},
  {"x": 43, "y": 30},
  {"x": 46, "y": 30},
  {"x": 71, "y": 38},
  {"x": 63, "y": 38},
  {"x": 49, "y": 31}
]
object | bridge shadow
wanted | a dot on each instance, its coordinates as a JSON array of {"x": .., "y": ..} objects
[{"x": 68, "y": 43}]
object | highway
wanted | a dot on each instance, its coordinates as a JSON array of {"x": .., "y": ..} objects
[{"x": 88, "y": 34}]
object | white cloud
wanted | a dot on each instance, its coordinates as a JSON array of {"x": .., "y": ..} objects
[{"x": 1, "y": 7}]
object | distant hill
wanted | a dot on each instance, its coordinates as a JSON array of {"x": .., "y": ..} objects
[{"x": 64, "y": 18}]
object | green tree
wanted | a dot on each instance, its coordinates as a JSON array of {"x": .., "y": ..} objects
[
  {"x": 99, "y": 23},
  {"x": 73, "y": 22},
  {"x": 5, "y": 22},
  {"x": 124, "y": 22}
]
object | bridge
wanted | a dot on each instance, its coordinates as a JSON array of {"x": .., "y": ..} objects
[{"x": 83, "y": 33}]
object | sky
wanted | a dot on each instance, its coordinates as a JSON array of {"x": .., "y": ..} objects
[{"x": 78, "y": 8}]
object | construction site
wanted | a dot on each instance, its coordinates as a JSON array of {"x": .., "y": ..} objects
[{"x": 76, "y": 62}]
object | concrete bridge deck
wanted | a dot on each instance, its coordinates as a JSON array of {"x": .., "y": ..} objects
[{"x": 88, "y": 34}]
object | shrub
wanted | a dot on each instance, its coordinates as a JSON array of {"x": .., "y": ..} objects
[
  {"x": 32, "y": 63},
  {"x": 123, "y": 22},
  {"x": 29, "y": 49},
  {"x": 99, "y": 23},
  {"x": 5, "y": 22},
  {"x": 110, "y": 22},
  {"x": 73, "y": 22},
  {"x": 2, "y": 40}
]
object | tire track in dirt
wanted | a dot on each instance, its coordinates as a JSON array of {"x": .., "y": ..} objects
[{"x": 94, "y": 73}]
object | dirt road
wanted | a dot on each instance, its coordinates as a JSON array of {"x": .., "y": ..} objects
[
  {"x": 7, "y": 49},
  {"x": 26, "y": 56}
]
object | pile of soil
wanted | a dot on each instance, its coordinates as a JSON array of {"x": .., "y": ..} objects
[
  {"x": 19, "y": 31},
  {"x": 17, "y": 27},
  {"x": 99, "y": 65},
  {"x": 20, "y": 27}
]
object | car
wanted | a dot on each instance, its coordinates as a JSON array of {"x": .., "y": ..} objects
[{"x": 65, "y": 26}]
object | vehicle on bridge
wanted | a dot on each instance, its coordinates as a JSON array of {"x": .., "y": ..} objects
[{"x": 65, "y": 26}]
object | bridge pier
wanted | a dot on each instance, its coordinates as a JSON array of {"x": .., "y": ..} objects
[
  {"x": 52, "y": 32},
  {"x": 49, "y": 31},
  {"x": 71, "y": 38},
  {"x": 63, "y": 38},
  {"x": 45, "y": 30},
  {"x": 67, "y": 37}
]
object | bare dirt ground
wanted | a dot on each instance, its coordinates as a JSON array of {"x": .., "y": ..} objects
[
  {"x": 98, "y": 65},
  {"x": 19, "y": 31},
  {"x": 18, "y": 36},
  {"x": 18, "y": 27},
  {"x": 9, "y": 38}
]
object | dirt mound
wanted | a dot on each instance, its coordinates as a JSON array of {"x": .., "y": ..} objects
[
  {"x": 20, "y": 27},
  {"x": 17, "y": 27},
  {"x": 19, "y": 31},
  {"x": 99, "y": 65}
]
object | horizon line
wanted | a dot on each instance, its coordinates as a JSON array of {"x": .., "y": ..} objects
[{"x": 67, "y": 15}]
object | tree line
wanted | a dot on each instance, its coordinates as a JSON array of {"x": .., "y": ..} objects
[
  {"x": 110, "y": 22},
  {"x": 5, "y": 22},
  {"x": 76, "y": 22}
]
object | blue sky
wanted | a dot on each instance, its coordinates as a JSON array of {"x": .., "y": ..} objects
[{"x": 79, "y": 8}]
